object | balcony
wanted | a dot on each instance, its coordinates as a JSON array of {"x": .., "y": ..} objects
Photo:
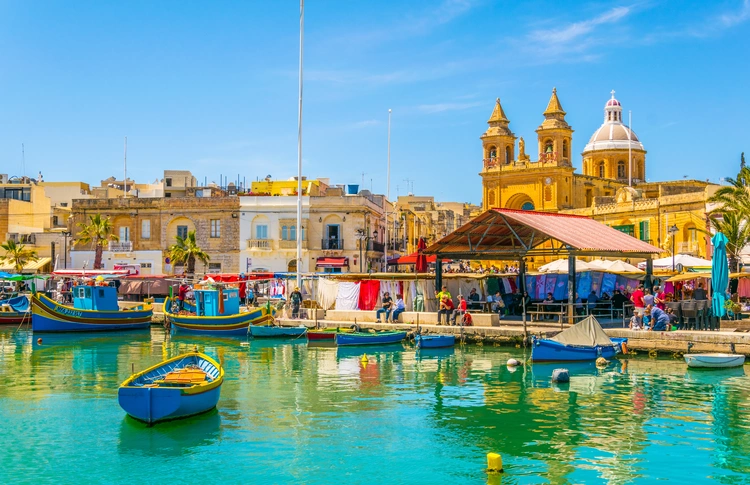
[
  {"x": 376, "y": 246},
  {"x": 331, "y": 244},
  {"x": 286, "y": 244},
  {"x": 690, "y": 247},
  {"x": 120, "y": 246},
  {"x": 260, "y": 244}
]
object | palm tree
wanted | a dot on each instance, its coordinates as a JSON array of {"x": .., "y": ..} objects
[
  {"x": 98, "y": 231},
  {"x": 186, "y": 251},
  {"x": 735, "y": 227},
  {"x": 18, "y": 255},
  {"x": 736, "y": 195}
]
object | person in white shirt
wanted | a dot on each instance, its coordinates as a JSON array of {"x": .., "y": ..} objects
[{"x": 399, "y": 308}]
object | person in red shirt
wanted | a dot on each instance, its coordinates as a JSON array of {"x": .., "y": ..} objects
[
  {"x": 243, "y": 288},
  {"x": 460, "y": 310},
  {"x": 446, "y": 308},
  {"x": 660, "y": 298},
  {"x": 182, "y": 294},
  {"x": 637, "y": 299}
]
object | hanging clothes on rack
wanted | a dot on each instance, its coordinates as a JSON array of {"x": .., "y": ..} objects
[
  {"x": 369, "y": 294},
  {"x": 326, "y": 294},
  {"x": 347, "y": 296}
]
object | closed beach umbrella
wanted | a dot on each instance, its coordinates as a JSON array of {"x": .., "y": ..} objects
[
  {"x": 421, "y": 266},
  {"x": 719, "y": 274}
]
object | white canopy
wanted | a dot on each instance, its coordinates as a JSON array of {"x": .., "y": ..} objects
[
  {"x": 600, "y": 264},
  {"x": 620, "y": 266},
  {"x": 561, "y": 266},
  {"x": 685, "y": 260}
]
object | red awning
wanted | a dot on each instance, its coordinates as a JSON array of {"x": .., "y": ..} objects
[
  {"x": 412, "y": 259},
  {"x": 90, "y": 272},
  {"x": 332, "y": 262},
  {"x": 234, "y": 277}
]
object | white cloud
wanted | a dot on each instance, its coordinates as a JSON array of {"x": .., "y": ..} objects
[
  {"x": 732, "y": 19},
  {"x": 578, "y": 29}
]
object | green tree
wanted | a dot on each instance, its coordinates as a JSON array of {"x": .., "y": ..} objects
[
  {"x": 735, "y": 227},
  {"x": 17, "y": 255},
  {"x": 99, "y": 232},
  {"x": 186, "y": 251}
]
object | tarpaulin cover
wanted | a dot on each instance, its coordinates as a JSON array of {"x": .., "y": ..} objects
[
  {"x": 586, "y": 333},
  {"x": 369, "y": 291},
  {"x": 19, "y": 303}
]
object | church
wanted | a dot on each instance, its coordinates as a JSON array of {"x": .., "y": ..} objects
[{"x": 612, "y": 188}]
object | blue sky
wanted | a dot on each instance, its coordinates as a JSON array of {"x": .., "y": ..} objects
[{"x": 212, "y": 86}]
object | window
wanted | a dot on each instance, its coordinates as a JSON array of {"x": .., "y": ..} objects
[
  {"x": 601, "y": 169},
  {"x": 527, "y": 206},
  {"x": 63, "y": 204},
  {"x": 621, "y": 170},
  {"x": 124, "y": 234},
  {"x": 565, "y": 148},
  {"x": 146, "y": 229},
  {"x": 182, "y": 231},
  {"x": 293, "y": 233},
  {"x": 627, "y": 229},
  {"x": 284, "y": 233},
  {"x": 168, "y": 182},
  {"x": 55, "y": 221},
  {"x": 168, "y": 194},
  {"x": 261, "y": 231},
  {"x": 507, "y": 155},
  {"x": 215, "y": 228},
  {"x": 643, "y": 231},
  {"x": 214, "y": 267}
]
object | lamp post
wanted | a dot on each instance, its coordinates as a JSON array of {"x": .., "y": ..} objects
[
  {"x": 375, "y": 237},
  {"x": 66, "y": 235},
  {"x": 361, "y": 237},
  {"x": 672, "y": 231}
]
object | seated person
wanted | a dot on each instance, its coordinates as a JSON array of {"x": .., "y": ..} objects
[
  {"x": 550, "y": 308},
  {"x": 591, "y": 301},
  {"x": 618, "y": 300},
  {"x": 398, "y": 308},
  {"x": 386, "y": 304},
  {"x": 466, "y": 320},
  {"x": 446, "y": 308},
  {"x": 673, "y": 319},
  {"x": 473, "y": 298},
  {"x": 635, "y": 323},
  {"x": 460, "y": 310},
  {"x": 497, "y": 304}
]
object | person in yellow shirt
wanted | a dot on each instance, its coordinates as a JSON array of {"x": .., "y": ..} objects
[{"x": 443, "y": 294}]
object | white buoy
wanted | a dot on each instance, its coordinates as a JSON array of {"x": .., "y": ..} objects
[
  {"x": 513, "y": 362},
  {"x": 560, "y": 375}
]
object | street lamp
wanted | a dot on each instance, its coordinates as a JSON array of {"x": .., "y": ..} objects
[
  {"x": 66, "y": 235},
  {"x": 672, "y": 231},
  {"x": 363, "y": 237}
]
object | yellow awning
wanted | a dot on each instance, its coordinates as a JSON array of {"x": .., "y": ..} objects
[
  {"x": 689, "y": 276},
  {"x": 33, "y": 266}
]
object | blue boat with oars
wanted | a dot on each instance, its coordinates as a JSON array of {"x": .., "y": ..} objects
[
  {"x": 366, "y": 338},
  {"x": 94, "y": 309},
  {"x": 14, "y": 311},
  {"x": 434, "y": 341},
  {"x": 584, "y": 341},
  {"x": 180, "y": 387},
  {"x": 216, "y": 311}
]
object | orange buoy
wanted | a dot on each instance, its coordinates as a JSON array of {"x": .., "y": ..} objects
[
  {"x": 39, "y": 341},
  {"x": 624, "y": 348}
]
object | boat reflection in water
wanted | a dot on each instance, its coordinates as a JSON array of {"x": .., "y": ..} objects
[{"x": 171, "y": 438}]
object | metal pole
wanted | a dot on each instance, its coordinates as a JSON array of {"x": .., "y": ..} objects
[
  {"x": 361, "y": 240},
  {"x": 387, "y": 192},
  {"x": 571, "y": 288},
  {"x": 672, "y": 250},
  {"x": 299, "y": 143},
  {"x": 125, "y": 182},
  {"x": 630, "y": 157}
]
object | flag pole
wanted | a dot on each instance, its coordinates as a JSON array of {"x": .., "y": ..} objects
[{"x": 299, "y": 144}]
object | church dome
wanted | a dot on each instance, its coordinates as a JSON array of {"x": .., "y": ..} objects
[{"x": 613, "y": 134}]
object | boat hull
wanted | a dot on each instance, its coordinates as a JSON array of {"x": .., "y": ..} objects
[
  {"x": 544, "y": 350},
  {"x": 15, "y": 311},
  {"x": 50, "y": 316},
  {"x": 358, "y": 338},
  {"x": 272, "y": 331},
  {"x": 154, "y": 404},
  {"x": 714, "y": 361},
  {"x": 14, "y": 318},
  {"x": 434, "y": 341},
  {"x": 328, "y": 334},
  {"x": 231, "y": 325}
]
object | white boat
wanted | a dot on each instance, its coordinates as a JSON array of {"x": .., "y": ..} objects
[{"x": 715, "y": 361}]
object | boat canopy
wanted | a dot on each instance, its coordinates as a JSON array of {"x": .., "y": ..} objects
[{"x": 586, "y": 333}]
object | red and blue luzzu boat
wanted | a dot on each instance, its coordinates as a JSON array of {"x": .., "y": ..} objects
[
  {"x": 584, "y": 341},
  {"x": 180, "y": 387},
  {"x": 94, "y": 309},
  {"x": 365, "y": 338},
  {"x": 216, "y": 312},
  {"x": 15, "y": 310}
]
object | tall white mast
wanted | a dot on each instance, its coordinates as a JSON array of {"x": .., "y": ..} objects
[
  {"x": 125, "y": 180},
  {"x": 299, "y": 143},
  {"x": 630, "y": 143},
  {"x": 387, "y": 192}
]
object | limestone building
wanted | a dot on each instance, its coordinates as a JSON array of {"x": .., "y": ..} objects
[{"x": 611, "y": 189}]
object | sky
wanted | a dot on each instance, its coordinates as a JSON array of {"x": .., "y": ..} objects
[{"x": 212, "y": 87}]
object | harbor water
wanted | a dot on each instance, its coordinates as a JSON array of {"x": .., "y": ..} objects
[{"x": 293, "y": 413}]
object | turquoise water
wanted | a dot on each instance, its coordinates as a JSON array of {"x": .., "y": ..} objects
[{"x": 290, "y": 413}]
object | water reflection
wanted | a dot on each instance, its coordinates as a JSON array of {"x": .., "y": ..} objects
[{"x": 171, "y": 438}]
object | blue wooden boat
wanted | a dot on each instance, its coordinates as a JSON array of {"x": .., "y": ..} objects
[
  {"x": 216, "y": 312},
  {"x": 183, "y": 386},
  {"x": 434, "y": 341},
  {"x": 584, "y": 341},
  {"x": 364, "y": 338},
  {"x": 273, "y": 331},
  {"x": 15, "y": 310},
  {"x": 94, "y": 309}
]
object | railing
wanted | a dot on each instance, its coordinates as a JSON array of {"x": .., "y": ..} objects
[
  {"x": 260, "y": 244},
  {"x": 377, "y": 247},
  {"x": 120, "y": 246},
  {"x": 331, "y": 244},
  {"x": 687, "y": 247},
  {"x": 287, "y": 244}
]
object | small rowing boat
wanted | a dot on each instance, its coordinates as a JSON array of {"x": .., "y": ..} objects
[
  {"x": 326, "y": 333},
  {"x": 15, "y": 310},
  {"x": 365, "y": 338},
  {"x": 183, "y": 386},
  {"x": 583, "y": 341},
  {"x": 714, "y": 361},
  {"x": 434, "y": 341}
]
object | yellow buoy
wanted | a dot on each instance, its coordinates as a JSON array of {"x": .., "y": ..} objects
[
  {"x": 364, "y": 358},
  {"x": 494, "y": 463}
]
